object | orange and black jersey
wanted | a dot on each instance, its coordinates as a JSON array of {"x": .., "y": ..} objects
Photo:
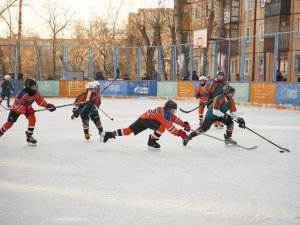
[
  {"x": 216, "y": 88},
  {"x": 81, "y": 101},
  {"x": 203, "y": 92},
  {"x": 25, "y": 98},
  {"x": 164, "y": 118}
]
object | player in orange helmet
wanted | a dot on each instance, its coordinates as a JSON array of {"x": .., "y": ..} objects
[
  {"x": 202, "y": 93},
  {"x": 158, "y": 119},
  {"x": 22, "y": 105}
]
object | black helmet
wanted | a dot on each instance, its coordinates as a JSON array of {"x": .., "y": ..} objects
[
  {"x": 170, "y": 105},
  {"x": 228, "y": 89},
  {"x": 29, "y": 82},
  {"x": 221, "y": 73}
]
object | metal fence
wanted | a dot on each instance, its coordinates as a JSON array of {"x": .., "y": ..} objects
[{"x": 254, "y": 58}]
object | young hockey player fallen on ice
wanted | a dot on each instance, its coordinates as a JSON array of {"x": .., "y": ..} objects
[
  {"x": 6, "y": 88},
  {"x": 87, "y": 105},
  {"x": 202, "y": 94},
  {"x": 159, "y": 119},
  {"x": 23, "y": 105},
  {"x": 217, "y": 112}
]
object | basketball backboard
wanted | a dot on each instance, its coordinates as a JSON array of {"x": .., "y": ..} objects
[{"x": 200, "y": 38}]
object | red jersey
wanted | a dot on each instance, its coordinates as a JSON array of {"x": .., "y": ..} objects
[
  {"x": 164, "y": 118},
  {"x": 203, "y": 92},
  {"x": 24, "y": 100}
]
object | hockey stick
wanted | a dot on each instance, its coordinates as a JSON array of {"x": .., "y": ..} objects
[
  {"x": 106, "y": 115},
  {"x": 246, "y": 148},
  {"x": 226, "y": 142},
  {"x": 188, "y": 111},
  {"x": 4, "y": 107},
  {"x": 282, "y": 149},
  {"x": 59, "y": 106}
]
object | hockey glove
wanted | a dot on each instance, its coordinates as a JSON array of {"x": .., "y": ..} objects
[
  {"x": 227, "y": 118},
  {"x": 182, "y": 134},
  {"x": 50, "y": 107},
  {"x": 76, "y": 112},
  {"x": 29, "y": 111},
  {"x": 241, "y": 122},
  {"x": 187, "y": 127},
  {"x": 198, "y": 96}
]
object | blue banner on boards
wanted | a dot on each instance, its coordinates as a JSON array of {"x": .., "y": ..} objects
[
  {"x": 18, "y": 85},
  {"x": 287, "y": 94},
  {"x": 142, "y": 88},
  {"x": 117, "y": 88}
]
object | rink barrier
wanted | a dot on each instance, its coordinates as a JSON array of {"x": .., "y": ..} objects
[{"x": 281, "y": 95}]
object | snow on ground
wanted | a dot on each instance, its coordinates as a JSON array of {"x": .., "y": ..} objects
[{"x": 66, "y": 180}]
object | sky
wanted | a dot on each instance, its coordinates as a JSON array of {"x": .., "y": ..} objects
[
  {"x": 34, "y": 11},
  {"x": 65, "y": 180}
]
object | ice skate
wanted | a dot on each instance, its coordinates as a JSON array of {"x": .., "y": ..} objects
[
  {"x": 30, "y": 139},
  {"x": 229, "y": 140},
  {"x": 87, "y": 136},
  {"x": 153, "y": 144},
  {"x": 108, "y": 135},
  {"x": 101, "y": 136},
  {"x": 186, "y": 141}
]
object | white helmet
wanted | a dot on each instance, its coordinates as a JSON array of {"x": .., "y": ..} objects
[
  {"x": 97, "y": 84},
  {"x": 202, "y": 78},
  {"x": 7, "y": 77}
]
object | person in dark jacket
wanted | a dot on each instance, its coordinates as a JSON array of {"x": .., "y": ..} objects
[{"x": 6, "y": 89}]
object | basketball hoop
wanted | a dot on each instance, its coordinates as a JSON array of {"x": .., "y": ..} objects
[{"x": 200, "y": 38}]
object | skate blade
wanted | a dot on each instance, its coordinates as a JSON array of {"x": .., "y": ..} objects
[
  {"x": 101, "y": 138},
  {"x": 31, "y": 144},
  {"x": 153, "y": 149}
]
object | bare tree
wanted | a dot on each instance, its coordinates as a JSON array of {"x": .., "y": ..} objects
[
  {"x": 6, "y": 5},
  {"x": 58, "y": 19}
]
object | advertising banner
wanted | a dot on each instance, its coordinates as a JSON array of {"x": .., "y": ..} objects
[
  {"x": 242, "y": 92},
  {"x": 142, "y": 88},
  {"x": 287, "y": 94},
  {"x": 117, "y": 88},
  {"x": 262, "y": 93},
  {"x": 166, "y": 89},
  {"x": 49, "y": 88},
  {"x": 71, "y": 88},
  {"x": 185, "y": 89}
]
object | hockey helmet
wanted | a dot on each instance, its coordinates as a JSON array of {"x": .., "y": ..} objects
[
  {"x": 203, "y": 78},
  {"x": 97, "y": 84},
  {"x": 89, "y": 85},
  {"x": 7, "y": 77},
  {"x": 228, "y": 90},
  {"x": 29, "y": 82},
  {"x": 170, "y": 105}
]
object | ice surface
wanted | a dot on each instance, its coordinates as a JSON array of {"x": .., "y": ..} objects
[{"x": 67, "y": 180}]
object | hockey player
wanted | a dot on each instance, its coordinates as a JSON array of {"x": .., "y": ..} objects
[
  {"x": 202, "y": 93},
  {"x": 216, "y": 88},
  {"x": 86, "y": 106},
  {"x": 158, "y": 119},
  {"x": 6, "y": 88},
  {"x": 23, "y": 105},
  {"x": 217, "y": 112}
]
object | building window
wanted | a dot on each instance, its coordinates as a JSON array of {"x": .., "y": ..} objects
[
  {"x": 248, "y": 34},
  {"x": 207, "y": 11},
  {"x": 262, "y": 3},
  {"x": 262, "y": 31},
  {"x": 247, "y": 66},
  {"x": 197, "y": 12},
  {"x": 283, "y": 64},
  {"x": 250, "y": 5},
  {"x": 298, "y": 29},
  {"x": 233, "y": 65},
  {"x": 261, "y": 66},
  {"x": 298, "y": 65}
]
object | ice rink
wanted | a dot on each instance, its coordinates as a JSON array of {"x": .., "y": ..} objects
[{"x": 67, "y": 180}]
